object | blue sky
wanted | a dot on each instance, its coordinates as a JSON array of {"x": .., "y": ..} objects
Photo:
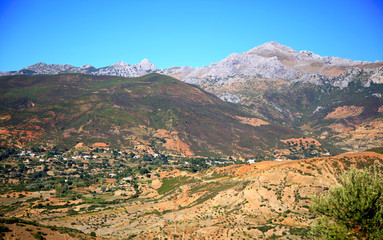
[{"x": 176, "y": 32}]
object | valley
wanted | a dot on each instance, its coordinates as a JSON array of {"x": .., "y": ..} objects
[{"x": 233, "y": 150}]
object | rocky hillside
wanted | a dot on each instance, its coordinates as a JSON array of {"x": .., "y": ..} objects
[
  {"x": 275, "y": 61},
  {"x": 350, "y": 118},
  {"x": 154, "y": 113}
]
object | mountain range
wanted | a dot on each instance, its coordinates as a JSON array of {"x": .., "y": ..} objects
[
  {"x": 270, "y": 60},
  {"x": 277, "y": 96}
]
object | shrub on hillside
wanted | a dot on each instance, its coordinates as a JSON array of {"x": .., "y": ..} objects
[{"x": 352, "y": 210}]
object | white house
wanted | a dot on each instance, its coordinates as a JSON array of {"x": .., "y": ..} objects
[{"x": 251, "y": 161}]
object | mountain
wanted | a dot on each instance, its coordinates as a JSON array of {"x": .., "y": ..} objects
[
  {"x": 329, "y": 98},
  {"x": 153, "y": 113},
  {"x": 275, "y": 61},
  {"x": 271, "y": 60},
  {"x": 126, "y": 70},
  {"x": 117, "y": 69},
  {"x": 334, "y": 100}
]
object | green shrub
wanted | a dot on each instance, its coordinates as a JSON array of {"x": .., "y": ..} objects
[{"x": 354, "y": 209}]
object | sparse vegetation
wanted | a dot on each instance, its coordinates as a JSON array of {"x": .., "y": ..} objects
[{"x": 354, "y": 209}]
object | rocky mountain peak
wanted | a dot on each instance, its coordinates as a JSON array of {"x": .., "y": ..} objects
[
  {"x": 271, "y": 48},
  {"x": 120, "y": 65},
  {"x": 86, "y": 66},
  {"x": 146, "y": 65},
  {"x": 145, "y": 61}
]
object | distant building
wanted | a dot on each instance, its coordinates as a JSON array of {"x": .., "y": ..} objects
[{"x": 251, "y": 161}]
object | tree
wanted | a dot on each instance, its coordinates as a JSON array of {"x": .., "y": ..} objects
[{"x": 352, "y": 210}]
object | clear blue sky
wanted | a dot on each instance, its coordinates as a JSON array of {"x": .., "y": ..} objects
[{"x": 176, "y": 32}]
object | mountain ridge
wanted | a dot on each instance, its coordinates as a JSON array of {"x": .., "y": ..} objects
[
  {"x": 271, "y": 60},
  {"x": 155, "y": 113}
]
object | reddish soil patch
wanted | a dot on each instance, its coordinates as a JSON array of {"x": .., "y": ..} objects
[
  {"x": 370, "y": 65},
  {"x": 31, "y": 232},
  {"x": 100, "y": 145},
  {"x": 5, "y": 117},
  {"x": 252, "y": 121},
  {"x": 345, "y": 112},
  {"x": 173, "y": 142},
  {"x": 173, "y": 173},
  {"x": 340, "y": 128},
  {"x": 333, "y": 72},
  {"x": 79, "y": 145},
  {"x": 4, "y": 131},
  {"x": 110, "y": 180}
]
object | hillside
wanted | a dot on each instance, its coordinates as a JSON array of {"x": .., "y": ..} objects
[
  {"x": 152, "y": 114},
  {"x": 348, "y": 118},
  {"x": 261, "y": 200}
]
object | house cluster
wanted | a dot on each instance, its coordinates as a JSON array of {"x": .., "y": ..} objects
[
  {"x": 250, "y": 161},
  {"x": 43, "y": 157},
  {"x": 212, "y": 162},
  {"x": 85, "y": 157},
  {"x": 112, "y": 175},
  {"x": 31, "y": 154},
  {"x": 41, "y": 160}
]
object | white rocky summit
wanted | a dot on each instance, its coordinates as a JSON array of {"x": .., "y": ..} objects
[
  {"x": 271, "y": 60},
  {"x": 118, "y": 69}
]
